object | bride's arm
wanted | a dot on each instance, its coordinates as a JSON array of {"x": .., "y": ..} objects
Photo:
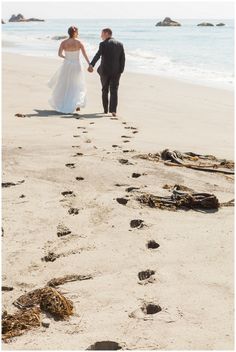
[
  {"x": 84, "y": 53},
  {"x": 60, "y": 51}
]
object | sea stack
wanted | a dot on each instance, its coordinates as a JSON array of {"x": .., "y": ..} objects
[
  {"x": 168, "y": 22},
  {"x": 206, "y": 24},
  {"x": 21, "y": 18}
]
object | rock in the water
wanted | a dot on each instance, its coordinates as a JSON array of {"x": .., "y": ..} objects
[
  {"x": 59, "y": 37},
  {"x": 220, "y": 24},
  {"x": 206, "y": 24},
  {"x": 3, "y": 22},
  {"x": 21, "y": 18},
  {"x": 168, "y": 22}
]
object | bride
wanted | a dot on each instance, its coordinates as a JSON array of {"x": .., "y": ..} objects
[{"x": 68, "y": 83}]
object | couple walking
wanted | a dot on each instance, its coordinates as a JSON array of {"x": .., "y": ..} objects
[{"x": 68, "y": 83}]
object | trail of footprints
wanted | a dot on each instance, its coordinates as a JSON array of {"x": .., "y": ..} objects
[{"x": 145, "y": 276}]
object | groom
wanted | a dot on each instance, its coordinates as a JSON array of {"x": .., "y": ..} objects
[{"x": 112, "y": 66}]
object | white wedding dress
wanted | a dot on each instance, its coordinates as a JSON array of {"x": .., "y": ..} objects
[{"x": 68, "y": 84}]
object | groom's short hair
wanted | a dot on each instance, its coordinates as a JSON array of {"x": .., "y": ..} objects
[{"x": 107, "y": 30}]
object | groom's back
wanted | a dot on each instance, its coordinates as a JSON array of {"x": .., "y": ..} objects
[{"x": 113, "y": 57}]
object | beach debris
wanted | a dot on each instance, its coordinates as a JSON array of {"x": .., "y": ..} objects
[
  {"x": 68, "y": 194},
  {"x": 180, "y": 200},
  {"x": 122, "y": 201},
  {"x": 20, "y": 115},
  {"x": 70, "y": 165},
  {"x": 79, "y": 178},
  {"x": 137, "y": 223},
  {"x": 67, "y": 278},
  {"x": 152, "y": 244},
  {"x": 149, "y": 156},
  {"x": 53, "y": 302},
  {"x": 143, "y": 275},
  {"x": 207, "y": 163},
  {"x": 7, "y": 288},
  {"x": 62, "y": 230},
  {"x": 178, "y": 187},
  {"x": 16, "y": 324},
  {"x": 136, "y": 175},
  {"x": 48, "y": 299},
  {"x": 73, "y": 211},
  {"x": 105, "y": 346},
  {"x": 9, "y": 184}
]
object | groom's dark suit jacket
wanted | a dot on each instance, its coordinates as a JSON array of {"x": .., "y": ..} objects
[{"x": 112, "y": 57}]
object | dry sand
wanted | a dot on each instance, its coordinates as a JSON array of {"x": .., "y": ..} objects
[{"x": 194, "y": 263}]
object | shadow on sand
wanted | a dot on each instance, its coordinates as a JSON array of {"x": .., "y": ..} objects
[{"x": 53, "y": 113}]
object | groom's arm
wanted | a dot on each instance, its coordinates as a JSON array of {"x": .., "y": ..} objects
[
  {"x": 122, "y": 60},
  {"x": 97, "y": 56}
]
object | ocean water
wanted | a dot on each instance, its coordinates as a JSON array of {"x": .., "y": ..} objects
[{"x": 202, "y": 55}]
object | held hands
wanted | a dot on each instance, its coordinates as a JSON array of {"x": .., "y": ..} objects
[{"x": 90, "y": 68}]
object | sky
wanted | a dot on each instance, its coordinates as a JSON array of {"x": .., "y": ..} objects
[{"x": 122, "y": 9}]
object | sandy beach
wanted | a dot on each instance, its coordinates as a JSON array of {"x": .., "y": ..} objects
[{"x": 193, "y": 265}]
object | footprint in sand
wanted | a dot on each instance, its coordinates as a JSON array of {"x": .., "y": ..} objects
[
  {"x": 92, "y": 123},
  {"x": 75, "y": 146},
  {"x": 137, "y": 223},
  {"x": 106, "y": 346},
  {"x": 136, "y": 175},
  {"x": 122, "y": 201},
  {"x": 79, "y": 178},
  {"x": 144, "y": 275},
  {"x": 126, "y": 136},
  {"x": 22, "y": 196},
  {"x": 126, "y": 141},
  {"x": 68, "y": 194},
  {"x": 125, "y": 162},
  {"x": 9, "y": 184},
  {"x": 113, "y": 118},
  {"x": 71, "y": 166},
  {"x": 130, "y": 189},
  {"x": 135, "y": 132},
  {"x": 73, "y": 211},
  {"x": 20, "y": 115},
  {"x": 62, "y": 230},
  {"x": 146, "y": 309},
  {"x": 152, "y": 244},
  {"x": 76, "y": 135},
  {"x": 81, "y": 127},
  {"x": 78, "y": 154},
  {"x": 128, "y": 150}
]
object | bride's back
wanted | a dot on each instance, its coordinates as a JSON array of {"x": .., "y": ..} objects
[{"x": 71, "y": 44}]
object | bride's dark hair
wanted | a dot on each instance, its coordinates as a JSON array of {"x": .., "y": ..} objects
[{"x": 72, "y": 30}]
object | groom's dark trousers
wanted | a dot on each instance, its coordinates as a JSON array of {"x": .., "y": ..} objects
[{"x": 112, "y": 66}]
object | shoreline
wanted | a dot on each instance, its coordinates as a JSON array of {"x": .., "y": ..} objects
[
  {"x": 198, "y": 82},
  {"x": 46, "y": 154}
]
